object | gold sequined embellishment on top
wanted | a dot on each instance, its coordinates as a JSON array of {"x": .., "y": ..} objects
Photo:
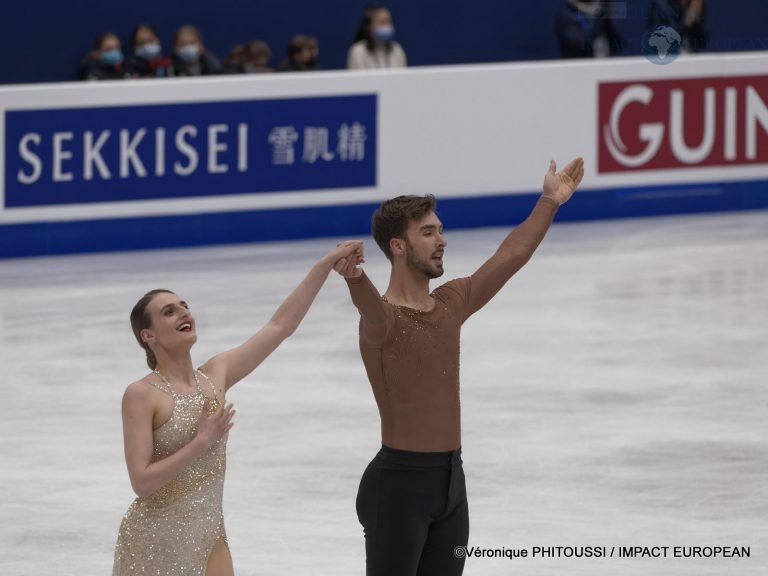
[{"x": 172, "y": 531}]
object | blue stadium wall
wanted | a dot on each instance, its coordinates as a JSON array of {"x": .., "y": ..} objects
[{"x": 44, "y": 41}]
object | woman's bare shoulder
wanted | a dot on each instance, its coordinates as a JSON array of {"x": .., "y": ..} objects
[{"x": 141, "y": 390}]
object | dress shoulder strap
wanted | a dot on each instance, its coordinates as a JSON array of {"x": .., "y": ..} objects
[
  {"x": 213, "y": 387},
  {"x": 163, "y": 387}
]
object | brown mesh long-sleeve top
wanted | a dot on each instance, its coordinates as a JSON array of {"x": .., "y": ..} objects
[{"x": 412, "y": 357}]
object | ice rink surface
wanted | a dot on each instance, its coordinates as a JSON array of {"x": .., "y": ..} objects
[{"x": 615, "y": 393}]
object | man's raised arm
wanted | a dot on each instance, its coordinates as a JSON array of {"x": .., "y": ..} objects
[{"x": 518, "y": 247}]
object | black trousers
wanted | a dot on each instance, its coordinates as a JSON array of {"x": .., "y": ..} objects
[{"x": 413, "y": 508}]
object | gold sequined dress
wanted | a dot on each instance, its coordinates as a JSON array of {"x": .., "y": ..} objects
[{"x": 173, "y": 531}]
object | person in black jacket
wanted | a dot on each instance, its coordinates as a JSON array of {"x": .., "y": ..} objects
[
  {"x": 586, "y": 30},
  {"x": 190, "y": 57},
  {"x": 688, "y": 17},
  {"x": 314, "y": 53},
  {"x": 104, "y": 61},
  {"x": 147, "y": 60}
]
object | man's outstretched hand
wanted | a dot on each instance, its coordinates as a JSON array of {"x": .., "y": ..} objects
[{"x": 560, "y": 186}]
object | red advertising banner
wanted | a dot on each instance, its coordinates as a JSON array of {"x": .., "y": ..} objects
[{"x": 652, "y": 125}]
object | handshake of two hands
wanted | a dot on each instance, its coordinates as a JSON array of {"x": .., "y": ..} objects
[{"x": 347, "y": 257}]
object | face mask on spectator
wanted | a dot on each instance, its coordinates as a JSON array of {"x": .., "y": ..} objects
[
  {"x": 112, "y": 57},
  {"x": 189, "y": 53},
  {"x": 384, "y": 33},
  {"x": 148, "y": 51},
  {"x": 589, "y": 9}
]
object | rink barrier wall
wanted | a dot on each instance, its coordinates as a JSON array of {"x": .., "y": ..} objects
[
  {"x": 53, "y": 238},
  {"x": 142, "y": 165}
]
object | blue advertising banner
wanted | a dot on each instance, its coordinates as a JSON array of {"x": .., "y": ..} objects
[{"x": 123, "y": 153}]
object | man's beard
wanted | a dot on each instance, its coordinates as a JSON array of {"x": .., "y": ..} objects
[{"x": 425, "y": 267}]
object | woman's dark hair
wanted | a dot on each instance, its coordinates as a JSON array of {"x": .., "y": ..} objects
[
  {"x": 100, "y": 40},
  {"x": 138, "y": 29},
  {"x": 188, "y": 29},
  {"x": 257, "y": 49},
  {"x": 391, "y": 219},
  {"x": 296, "y": 46},
  {"x": 140, "y": 320},
  {"x": 364, "y": 28},
  {"x": 243, "y": 54}
]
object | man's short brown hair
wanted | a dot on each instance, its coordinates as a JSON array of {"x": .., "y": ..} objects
[{"x": 391, "y": 219}]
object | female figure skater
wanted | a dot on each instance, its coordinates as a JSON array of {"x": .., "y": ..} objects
[{"x": 175, "y": 427}]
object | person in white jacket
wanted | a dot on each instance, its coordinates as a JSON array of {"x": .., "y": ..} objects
[{"x": 374, "y": 45}]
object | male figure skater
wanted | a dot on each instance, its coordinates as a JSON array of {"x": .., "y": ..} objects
[{"x": 412, "y": 500}]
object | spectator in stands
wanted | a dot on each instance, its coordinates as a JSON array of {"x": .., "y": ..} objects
[
  {"x": 584, "y": 32},
  {"x": 299, "y": 55},
  {"x": 688, "y": 17},
  {"x": 314, "y": 50},
  {"x": 147, "y": 60},
  {"x": 190, "y": 57},
  {"x": 104, "y": 61},
  {"x": 374, "y": 45},
  {"x": 250, "y": 58}
]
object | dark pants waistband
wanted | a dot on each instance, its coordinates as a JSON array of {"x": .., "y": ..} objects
[{"x": 423, "y": 459}]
